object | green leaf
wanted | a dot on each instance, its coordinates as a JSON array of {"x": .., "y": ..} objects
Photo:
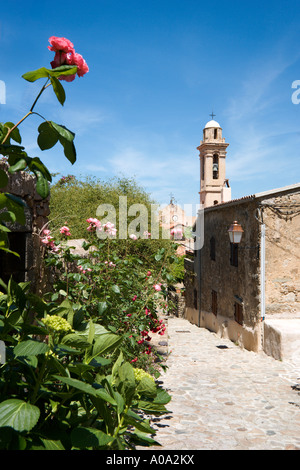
[
  {"x": 144, "y": 439},
  {"x": 127, "y": 381},
  {"x": 66, "y": 138},
  {"x": 35, "y": 164},
  {"x": 116, "y": 289},
  {"x": 30, "y": 348},
  {"x": 151, "y": 407},
  {"x": 86, "y": 388},
  {"x": 105, "y": 343},
  {"x": 47, "y": 73},
  {"x": 35, "y": 74},
  {"x": 15, "y": 134},
  {"x": 13, "y": 204},
  {"x": 162, "y": 397},
  {"x": 102, "y": 307},
  {"x": 18, "y": 414},
  {"x": 91, "y": 334},
  {"x": 42, "y": 185},
  {"x": 84, "y": 438},
  {"x": 147, "y": 387},
  {"x": 47, "y": 137},
  {"x": 20, "y": 165},
  {"x": 52, "y": 445},
  {"x": 58, "y": 90},
  {"x": 76, "y": 341},
  {"x": 132, "y": 419},
  {"x": 63, "y": 132},
  {"x": 63, "y": 70}
]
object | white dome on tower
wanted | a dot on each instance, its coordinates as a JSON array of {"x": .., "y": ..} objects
[{"x": 212, "y": 123}]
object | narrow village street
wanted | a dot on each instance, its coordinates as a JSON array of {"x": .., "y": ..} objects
[{"x": 224, "y": 397}]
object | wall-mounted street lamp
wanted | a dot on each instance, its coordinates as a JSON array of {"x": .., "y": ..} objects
[{"x": 235, "y": 232}]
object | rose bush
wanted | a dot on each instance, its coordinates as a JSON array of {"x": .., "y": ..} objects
[
  {"x": 114, "y": 289},
  {"x": 67, "y": 380}
]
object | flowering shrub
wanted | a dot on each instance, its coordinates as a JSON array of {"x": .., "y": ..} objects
[
  {"x": 57, "y": 324},
  {"x": 116, "y": 290},
  {"x": 65, "y": 66},
  {"x": 67, "y": 381}
]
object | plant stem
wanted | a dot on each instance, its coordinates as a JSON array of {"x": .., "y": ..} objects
[
  {"x": 38, "y": 382},
  {"x": 29, "y": 112},
  {"x": 42, "y": 89}
]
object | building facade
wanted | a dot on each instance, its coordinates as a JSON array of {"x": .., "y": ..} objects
[{"x": 236, "y": 289}]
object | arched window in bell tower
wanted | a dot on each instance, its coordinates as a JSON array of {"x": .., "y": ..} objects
[
  {"x": 215, "y": 167},
  {"x": 215, "y": 133}
]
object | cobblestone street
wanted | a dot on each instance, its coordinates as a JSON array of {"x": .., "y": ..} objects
[{"x": 224, "y": 397}]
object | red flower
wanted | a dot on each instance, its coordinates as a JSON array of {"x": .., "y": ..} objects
[
  {"x": 60, "y": 45},
  {"x": 65, "y": 55}
]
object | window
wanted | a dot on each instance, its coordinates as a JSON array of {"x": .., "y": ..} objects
[
  {"x": 238, "y": 313},
  {"x": 214, "y": 302},
  {"x": 215, "y": 167},
  {"x": 213, "y": 249},
  {"x": 215, "y": 133},
  {"x": 234, "y": 252}
]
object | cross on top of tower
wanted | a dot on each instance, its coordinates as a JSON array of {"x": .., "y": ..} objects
[{"x": 212, "y": 115}]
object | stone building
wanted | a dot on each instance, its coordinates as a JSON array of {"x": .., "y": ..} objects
[
  {"x": 249, "y": 292},
  {"x": 214, "y": 185},
  {"x": 25, "y": 239},
  {"x": 177, "y": 225}
]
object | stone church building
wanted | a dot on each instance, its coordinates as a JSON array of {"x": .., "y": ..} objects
[{"x": 247, "y": 290}]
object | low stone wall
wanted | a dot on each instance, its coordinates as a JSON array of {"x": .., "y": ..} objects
[{"x": 25, "y": 239}]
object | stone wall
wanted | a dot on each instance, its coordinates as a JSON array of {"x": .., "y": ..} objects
[
  {"x": 230, "y": 292},
  {"x": 281, "y": 216},
  {"x": 25, "y": 239}
]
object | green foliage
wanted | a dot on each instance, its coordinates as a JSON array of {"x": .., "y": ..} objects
[
  {"x": 62, "y": 390},
  {"x": 177, "y": 269},
  {"x": 74, "y": 200},
  {"x": 17, "y": 158},
  {"x": 68, "y": 379}
]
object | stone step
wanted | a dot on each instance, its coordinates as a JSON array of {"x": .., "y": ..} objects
[{"x": 282, "y": 338}]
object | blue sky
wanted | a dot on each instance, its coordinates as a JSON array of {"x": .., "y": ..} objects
[{"x": 157, "y": 70}]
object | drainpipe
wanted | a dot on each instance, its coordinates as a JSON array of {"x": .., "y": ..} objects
[
  {"x": 199, "y": 274},
  {"x": 262, "y": 270}
]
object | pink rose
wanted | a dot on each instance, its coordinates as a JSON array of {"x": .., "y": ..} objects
[
  {"x": 60, "y": 45},
  {"x": 94, "y": 224},
  {"x": 65, "y": 231},
  {"x": 157, "y": 287},
  {"x": 78, "y": 60},
  {"x": 65, "y": 55},
  {"x": 133, "y": 236}
]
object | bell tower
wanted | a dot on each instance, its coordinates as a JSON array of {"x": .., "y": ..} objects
[{"x": 214, "y": 187}]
